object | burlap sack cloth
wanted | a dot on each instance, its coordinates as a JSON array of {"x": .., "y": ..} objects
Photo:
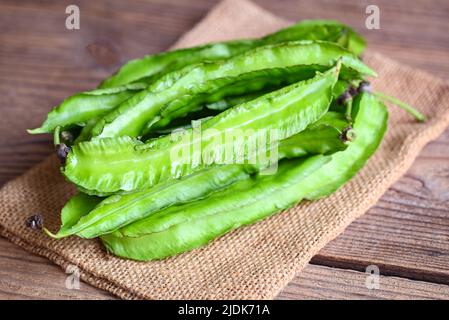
[{"x": 256, "y": 261}]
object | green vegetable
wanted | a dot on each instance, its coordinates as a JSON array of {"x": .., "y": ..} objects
[
  {"x": 80, "y": 108},
  {"x": 207, "y": 112},
  {"x": 182, "y": 228},
  {"x": 188, "y": 226},
  {"x": 322, "y": 137},
  {"x": 235, "y": 132},
  {"x": 118, "y": 210},
  {"x": 125, "y": 164},
  {"x": 212, "y": 109},
  {"x": 78, "y": 206},
  {"x": 370, "y": 124},
  {"x": 181, "y": 92}
]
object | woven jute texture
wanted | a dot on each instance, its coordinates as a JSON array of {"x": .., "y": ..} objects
[{"x": 253, "y": 262}]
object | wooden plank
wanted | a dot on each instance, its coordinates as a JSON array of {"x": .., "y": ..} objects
[
  {"x": 320, "y": 282},
  {"x": 26, "y": 276},
  {"x": 42, "y": 62}
]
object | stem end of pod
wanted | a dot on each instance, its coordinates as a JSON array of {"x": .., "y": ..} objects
[
  {"x": 348, "y": 134},
  {"x": 39, "y": 130},
  {"x": 51, "y": 234}
]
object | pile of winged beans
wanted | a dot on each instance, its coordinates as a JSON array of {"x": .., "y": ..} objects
[{"x": 179, "y": 148}]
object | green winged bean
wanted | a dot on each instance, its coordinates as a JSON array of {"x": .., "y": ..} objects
[
  {"x": 80, "y": 108},
  {"x": 78, "y": 206},
  {"x": 181, "y": 228},
  {"x": 370, "y": 124},
  {"x": 214, "y": 108},
  {"x": 321, "y": 137},
  {"x": 252, "y": 82},
  {"x": 212, "y": 81},
  {"x": 125, "y": 164},
  {"x": 152, "y": 67},
  {"x": 192, "y": 225}
]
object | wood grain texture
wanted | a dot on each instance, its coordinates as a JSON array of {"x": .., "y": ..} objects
[
  {"x": 320, "y": 282},
  {"x": 25, "y": 276},
  {"x": 406, "y": 234}
]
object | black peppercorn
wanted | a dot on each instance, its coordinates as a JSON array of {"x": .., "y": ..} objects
[
  {"x": 345, "y": 96},
  {"x": 35, "y": 222},
  {"x": 353, "y": 91},
  {"x": 364, "y": 86},
  {"x": 62, "y": 150}
]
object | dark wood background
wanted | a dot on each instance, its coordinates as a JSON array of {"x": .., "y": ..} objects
[{"x": 406, "y": 234}]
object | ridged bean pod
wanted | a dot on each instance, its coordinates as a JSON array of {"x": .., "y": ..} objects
[
  {"x": 212, "y": 109},
  {"x": 182, "y": 228},
  {"x": 322, "y": 137},
  {"x": 185, "y": 90},
  {"x": 188, "y": 226},
  {"x": 80, "y": 108},
  {"x": 178, "y": 148},
  {"x": 125, "y": 164}
]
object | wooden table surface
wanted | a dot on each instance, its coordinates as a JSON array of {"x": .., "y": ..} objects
[{"x": 406, "y": 234}]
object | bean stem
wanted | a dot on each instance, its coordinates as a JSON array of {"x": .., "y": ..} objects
[
  {"x": 415, "y": 113},
  {"x": 56, "y": 136},
  {"x": 348, "y": 112}
]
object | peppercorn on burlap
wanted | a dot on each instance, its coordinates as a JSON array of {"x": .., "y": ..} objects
[{"x": 256, "y": 261}]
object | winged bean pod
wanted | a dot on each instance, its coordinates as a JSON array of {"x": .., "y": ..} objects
[
  {"x": 370, "y": 125},
  {"x": 181, "y": 228},
  {"x": 78, "y": 206},
  {"x": 80, "y": 108},
  {"x": 326, "y": 30},
  {"x": 126, "y": 164},
  {"x": 195, "y": 85},
  {"x": 214, "y": 108},
  {"x": 186, "y": 227},
  {"x": 322, "y": 137},
  {"x": 221, "y": 89}
]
